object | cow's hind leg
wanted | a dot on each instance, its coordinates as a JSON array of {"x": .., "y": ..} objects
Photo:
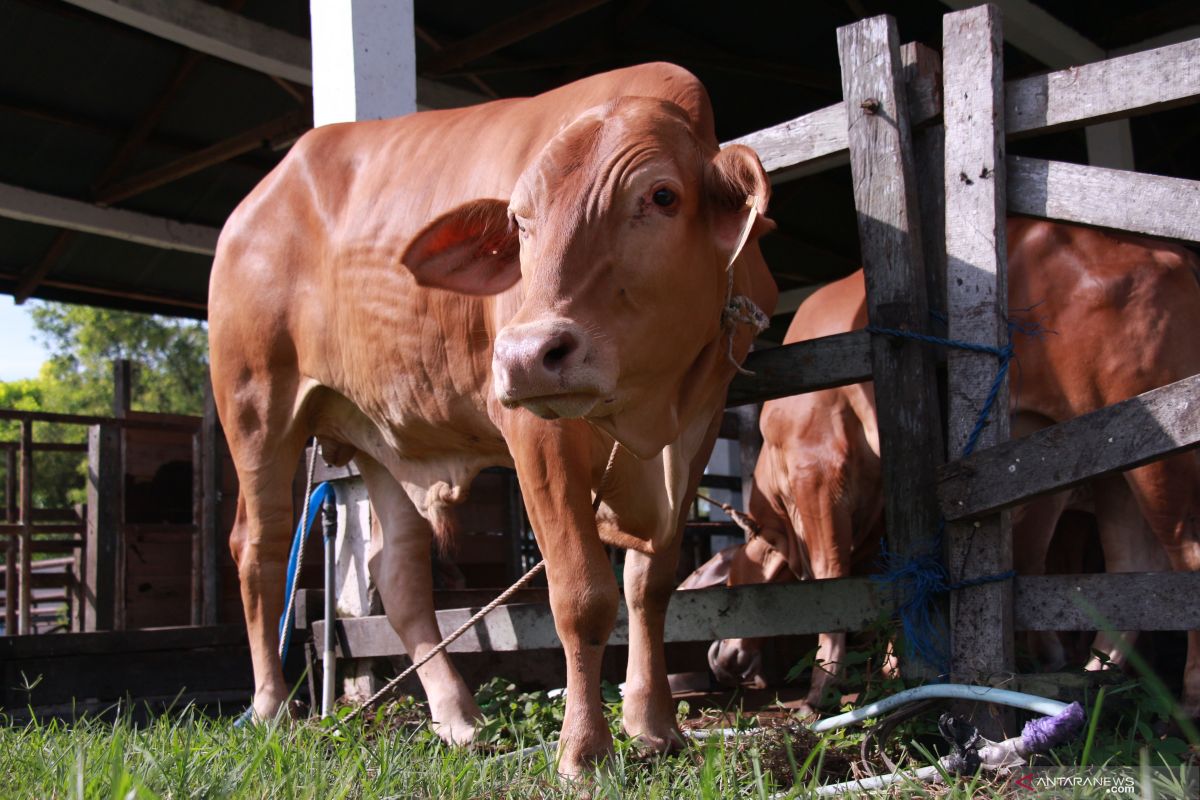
[
  {"x": 402, "y": 568},
  {"x": 648, "y": 713},
  {"x": 260, "y": 542}
]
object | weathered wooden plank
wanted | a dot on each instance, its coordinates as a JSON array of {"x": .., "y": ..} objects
[
  {"x": 803, "y": 367},
  {"x": 818, "y": 141},
  {"x": 10, "y": 550},
  {"x": 1153, "y": 425},
  {"x": 1152, "y": 80},
  {"x": 25, "y": 595},
  {"x": 885, "y": 196},
  {"x": 695, "y": 616},
  {"x": 211, "y": 458},
  {"x": 981, "y": 633},
  {"x": 923, "y": 68},
  {"x": 1125, "y": 601},
  {"x": 103, "y": 526},
  {"x": 1151, "y": 204}
]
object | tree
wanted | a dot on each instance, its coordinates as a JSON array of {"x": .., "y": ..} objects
[{"x": 170, "y": 373}]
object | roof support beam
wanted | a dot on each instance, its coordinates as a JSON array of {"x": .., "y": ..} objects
[
  {"x": 1032, "y": 30},
  {"x": 364, "y": 60},
  {"x": 287, "y": 127},
  {"x": 27, "y": 205},
  {"x": 234, "y": 38},
  {"x": 507, "y": 32}
]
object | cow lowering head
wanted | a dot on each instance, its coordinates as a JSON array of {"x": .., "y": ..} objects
[{"x": 626, "y": 229}]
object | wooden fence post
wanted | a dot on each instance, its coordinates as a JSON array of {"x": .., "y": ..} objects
[
  {"x": 25, "y": 621},
  {"x": 10, "y": 544},
  {"x": 881, "y": 163},
  {"x": 103, "y": 527},
  {"x": 196, "y": 600},
  {"x": 122, "y": 387},
  {"x": 981, "y": 616},
  {"x": 211, "y": 459},
  {"x": 750, "y": 444}
]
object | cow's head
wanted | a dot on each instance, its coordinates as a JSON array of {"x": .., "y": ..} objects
[{"x": 623, "y": 228}]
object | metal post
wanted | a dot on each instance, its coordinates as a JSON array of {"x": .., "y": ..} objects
[{"x": 329, "y": 659}]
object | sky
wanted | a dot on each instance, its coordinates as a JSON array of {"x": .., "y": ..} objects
[{"x": 20, "y": 355}]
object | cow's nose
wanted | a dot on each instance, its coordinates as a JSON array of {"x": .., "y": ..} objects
[
  {"x": 541, "y": 360},
  {"x": 560, "y": 351}
]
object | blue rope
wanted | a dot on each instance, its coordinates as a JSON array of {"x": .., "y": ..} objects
[{"x": 921, "y": 578}]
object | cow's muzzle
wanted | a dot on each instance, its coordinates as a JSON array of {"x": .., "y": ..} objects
[
  {"x": 737, "y": 662},
  {"x": 549, "y": 368}
]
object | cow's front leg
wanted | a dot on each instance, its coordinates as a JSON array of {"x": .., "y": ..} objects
[
  {"x": 649, "y": 711},
  {"x": 553, "y": 466}
]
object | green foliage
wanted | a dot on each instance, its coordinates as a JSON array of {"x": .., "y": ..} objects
[{"x": 170, "y": 359}]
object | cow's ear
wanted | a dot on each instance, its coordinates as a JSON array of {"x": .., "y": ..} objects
[
  {"x": 738, "y": 190},
  {"x": 472, "y": 249}
]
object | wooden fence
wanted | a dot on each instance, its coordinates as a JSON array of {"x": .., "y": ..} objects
[
  {"x": 93, "y": 588},
  {"x": 927, "y": 172}
]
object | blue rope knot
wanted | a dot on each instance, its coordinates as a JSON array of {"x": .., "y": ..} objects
[{"x": 921, "y": 578}]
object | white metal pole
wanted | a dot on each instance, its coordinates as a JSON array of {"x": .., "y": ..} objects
[{"x": 329, "y": 657}]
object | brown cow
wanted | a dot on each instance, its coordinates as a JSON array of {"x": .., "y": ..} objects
[
  {"x": 1120, "y": 316},
  {"x": 517, "y": 283}
]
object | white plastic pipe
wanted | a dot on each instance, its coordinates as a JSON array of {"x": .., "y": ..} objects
[
  {"x": 329, "y": 657},
  {"x": 948, "y": 691}
]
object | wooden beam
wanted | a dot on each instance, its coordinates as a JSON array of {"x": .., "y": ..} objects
[
  {"x": 212, "y": 30},
  {"x": 29, "y": 280},
  {"x": 27, "y": 205},
  {"x": 885, "y": 197},
  {"x": 507, "y": 32},
  {"x": 103, "y": 527},
  {"x": 1153, "y": 425},
  {"x": 10, "y": 550},
  {"x": 981, "y": 633},
  {"x": 122, "y": 387},
  {"x": 818, "y": 141},
  {"x": 1141, "y": 82},
  {"x": 1130, "y": 201},
  {"x": 211, "y": 459},
  {"x": 1123, "y": 601},
  {"x": 693, "y": 616},
  {"x": 806, "y": 366},
  {"x": 1031, "y": 29},
  {"x": 437, "y": 46},
  {"x": 290, "y": 125},
  {"x": 25, "y": 607},
  {"x": 238, "y": 40}
]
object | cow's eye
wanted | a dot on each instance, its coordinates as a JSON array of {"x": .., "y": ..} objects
[{"x": 664, "y": 198}]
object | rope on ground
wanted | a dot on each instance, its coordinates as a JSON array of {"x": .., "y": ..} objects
[{"x": 483, "y": 612}]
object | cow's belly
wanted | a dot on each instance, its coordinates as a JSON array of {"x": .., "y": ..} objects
[{"x": 434, "y": 460}]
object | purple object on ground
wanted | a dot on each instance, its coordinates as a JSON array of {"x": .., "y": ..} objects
[{"x": 1044, "y": 733}]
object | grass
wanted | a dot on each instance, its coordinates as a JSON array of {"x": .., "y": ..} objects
[{"x": 392, "y": 754}]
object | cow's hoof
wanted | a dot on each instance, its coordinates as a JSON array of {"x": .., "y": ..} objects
[
  {"x": 580, "y": 758},
  {"x": 662, "y": 742},
  {"x": 458, "y": 732}
]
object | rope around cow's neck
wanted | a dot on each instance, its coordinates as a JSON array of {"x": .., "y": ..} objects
[
  {"x": 740, "y": 308},
  {"x": 483, "y": 612}
]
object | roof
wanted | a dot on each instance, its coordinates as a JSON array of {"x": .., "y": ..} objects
[{"x": 98, "y": 117}]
